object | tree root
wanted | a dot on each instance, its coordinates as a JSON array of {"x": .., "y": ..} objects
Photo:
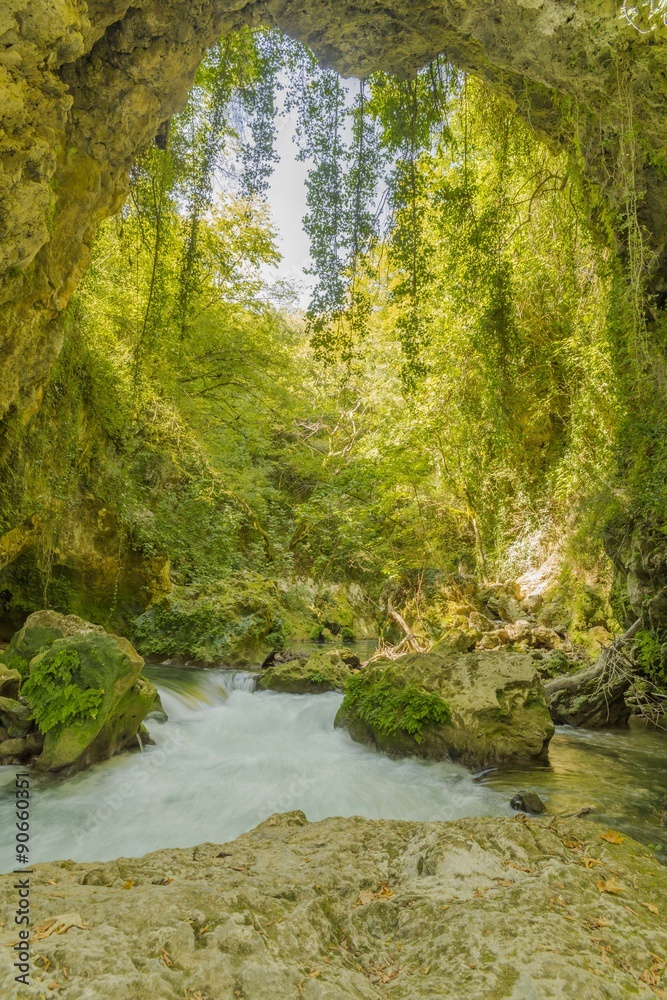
[{"x": 596, "y": 697}]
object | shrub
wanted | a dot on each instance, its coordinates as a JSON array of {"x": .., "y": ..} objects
[{"x": 651, "y": 654}]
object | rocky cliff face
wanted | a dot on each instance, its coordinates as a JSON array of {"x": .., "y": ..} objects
[{"x": 85, "y": 84}]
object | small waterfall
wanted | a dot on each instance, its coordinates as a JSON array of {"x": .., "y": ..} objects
[
  {"x": 236, "y": 680},
  {"x": 185, "y": 690}
]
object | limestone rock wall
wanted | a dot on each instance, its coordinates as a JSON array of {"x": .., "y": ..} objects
[{"x": 85, "y": 84}]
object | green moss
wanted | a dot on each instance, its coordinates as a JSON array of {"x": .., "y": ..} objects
[
  {"x": 241, "y": 617},
  {"x": 388, "y": 708},
  {"x": 26, "y": 644},
  {"x": 55, "y": 697}
]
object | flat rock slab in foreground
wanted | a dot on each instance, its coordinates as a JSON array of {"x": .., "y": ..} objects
[{"x": 353, "y": 908}]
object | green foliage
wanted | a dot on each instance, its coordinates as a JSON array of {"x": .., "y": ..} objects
[
  {"x": 461, "y": 394},
  {"x": 242, "y": 616},
  {"x": 54, "y": 696},
  {"x": 388, "y": 708},
  {"x": 650, "y": 650}
]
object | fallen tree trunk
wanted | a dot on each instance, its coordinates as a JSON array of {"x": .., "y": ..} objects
[{"x": 595, "y": 697}]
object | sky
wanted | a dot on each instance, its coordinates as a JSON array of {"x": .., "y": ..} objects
[{"x": 287, "y": 201}]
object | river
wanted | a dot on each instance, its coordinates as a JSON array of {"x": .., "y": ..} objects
[{"x": 229, "y": 757}]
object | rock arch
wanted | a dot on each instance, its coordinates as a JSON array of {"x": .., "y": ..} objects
[{"x": 85, "y": 84}]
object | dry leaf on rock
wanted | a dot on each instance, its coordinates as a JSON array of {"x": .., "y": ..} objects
[
  {"x": 610, "y": 886},
  {"x": 651, "y": 977},
  {"x": 612, "y": 837},
  {"x": 59, "y": 925},
  {"x": 367, "y": 895},
  {"x": 651, "y": 907}
]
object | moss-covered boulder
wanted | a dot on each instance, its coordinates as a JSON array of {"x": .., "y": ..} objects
[
  {"x": 324, "y": 670},
  {"x": 88, "y": 699},
  {"x": 481, "y": 709},
  {"x": 41, "y": 629},
  {"x": 74, "y": 696}
]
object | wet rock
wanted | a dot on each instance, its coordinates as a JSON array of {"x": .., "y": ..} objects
[
  {"x": 325, "y": 670},
  {"x": 477, "y": 708},
  {"x": 324, "y": 905},
  {"x": 157, "y": 711},
  {"x": 528, "y": 802},
  {"x": 13, "y": 747},
  {"x": 10, "y": 682}
]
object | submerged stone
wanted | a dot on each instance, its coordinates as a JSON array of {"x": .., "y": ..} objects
[{"x": 527, "y": 801}]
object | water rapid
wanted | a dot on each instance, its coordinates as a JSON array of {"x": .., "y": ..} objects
[{"x": 229, "y": 757}]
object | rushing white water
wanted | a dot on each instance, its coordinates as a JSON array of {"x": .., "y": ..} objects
[{"x": 228, "y": 758}]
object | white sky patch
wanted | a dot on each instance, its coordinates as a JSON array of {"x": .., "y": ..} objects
[{"x": 287, "y": 200}]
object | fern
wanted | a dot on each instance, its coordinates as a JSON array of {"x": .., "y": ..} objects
[
  {"x": 388, "y": 709},
  {"x": 54, "y": 696}
]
